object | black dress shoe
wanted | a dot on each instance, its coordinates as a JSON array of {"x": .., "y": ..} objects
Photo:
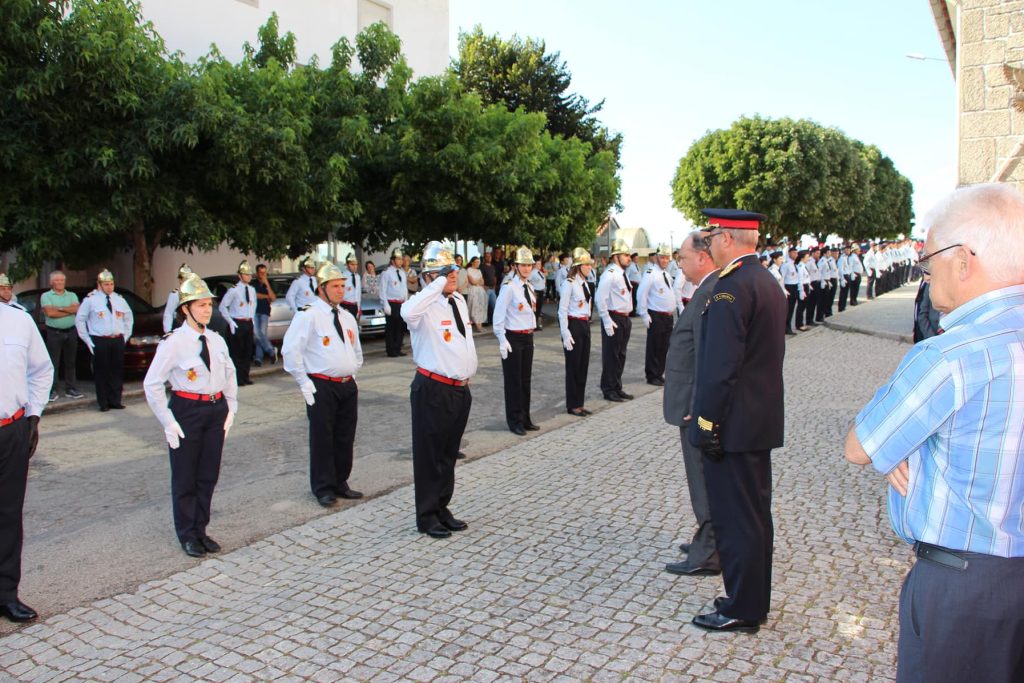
[
  {"x": 625, "y": 396},
  {"x": 16, "y": 610},
  {"x": 402, "y": 353},
  {"x": 579, "y": 412},
  {"x": 615, "y": 398},
  {"x": 211, "y": 545},
  {"x": 530, "y": 427},
  {"x": 686, "y": 569},
  {"x": 460, "y": 456},
  {"x": 327, "y": 500},
  {"x": 193, "y": 548},
  {"x": 657, "y": 381},
  {"x": 351, "y": 494},
  {"x": 715, "y": 621},
  {"x": 453, "y": 524},
  {"x": 436, "y": 531},
  {"x": 258, "y": 363},
  {"x": 104, "y": 409},
  {"x": 117, "y": 406},
  {"x": 518, "y": 430},
  {"x": 684, "y": 547}
]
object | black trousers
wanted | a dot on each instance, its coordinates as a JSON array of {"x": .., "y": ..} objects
[
  {"x": 108, "y": 369},
  {"x": 195, "y": 463},
  {"x": 332, "y": 434},
  {"x": 740, "y": 495},
  {"x": 844, "y": 295},
  {"x": 658, "y": 335},
  {"x": 793, "y": 292},
  {"x": 821, "y": 302},
  {"x": 577, "y": 363},
  {"x": 962, "y": 625},
  {"x": 394, "y": 330},
  {"x": 613, "y": 354},
  {"x": 801, "y": 308},
  {"x": 351, "y": 308},
  {"x": 517, "y": 370},
  {"x": 439, "y": 416},
  {"x": 854, "y": 289},
  {"x": 871, "y": 287},
  {"x": 833, "y": 290},
  {"x": 63, "y": 345},
  {"x": 13, "y": 479},
  {"x": 811, "y": 302},
  {"x": 539, "y": 293},
  {"x": 241, "y": 344}
]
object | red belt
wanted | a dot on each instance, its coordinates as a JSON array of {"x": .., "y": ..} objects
[
  {"x": 13, "y": 418},
  {"x": 624, "y": 314},
  {"x": 396, "y": 301},
  {"x": 660, "y": 313},
  {"x": 243, "y": 320},
  {"x": 107, "y": 336},
  {"x": 578, "y": 317},
  {"x": 520, "y": 331},
  {"x": 212, "y": 398},
  {"x": 442, "y": 379},
  {"x": 328, "y": 378}
]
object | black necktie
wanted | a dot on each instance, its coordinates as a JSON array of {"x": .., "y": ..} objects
[
  {"x": 109, "y": 306},
  {"x": 586, "y": 291},
  {"x": 458, "y": 316},
  {"x": 666, "y": 279},
  {"x": 246, "y": 293},
  {"x": 528, "y": 290},
  {"x": 629, "y": 287},
  {"x": 204, "y": 351},
  {"x": 337, "y": 323},
  {"x": 312, "y": 287}
]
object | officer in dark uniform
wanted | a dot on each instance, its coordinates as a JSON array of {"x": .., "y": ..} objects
[{"x": 739, "y": 415}]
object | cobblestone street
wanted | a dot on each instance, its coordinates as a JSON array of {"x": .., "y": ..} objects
[{"x": 559, "y": 577}]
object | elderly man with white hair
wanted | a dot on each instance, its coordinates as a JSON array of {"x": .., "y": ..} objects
[{"x": 947, "y": 431}]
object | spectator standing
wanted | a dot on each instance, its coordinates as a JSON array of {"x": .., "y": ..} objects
[
  {"x": 490, "y": 276},
  {"x": 477, "y": 299},
  {"x": 265, "y": 297},
  {"x": 59, "y": 308},
  {"x": 371, "y": 284}
]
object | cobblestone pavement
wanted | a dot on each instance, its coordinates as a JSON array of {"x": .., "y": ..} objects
[{"x": 558, "y": 578}]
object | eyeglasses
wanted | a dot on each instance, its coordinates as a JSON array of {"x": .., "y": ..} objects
[
  {"x": 709, "y": 237},
  {"x": 926, "y": 267}
]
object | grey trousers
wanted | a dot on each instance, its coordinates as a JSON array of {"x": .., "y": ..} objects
[{"x": 703, "y": 552}]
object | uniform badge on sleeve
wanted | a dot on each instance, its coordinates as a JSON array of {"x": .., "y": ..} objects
[
  {"x": 327, "y": 341},
  {"x": 191, "y": 375}
]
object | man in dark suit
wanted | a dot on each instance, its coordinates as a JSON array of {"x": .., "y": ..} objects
[
  {"x": 738, "y": 414},
  {"x": 677, "y": 402}
]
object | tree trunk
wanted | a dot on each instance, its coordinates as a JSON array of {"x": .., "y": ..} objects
[{"x": 142, "y": 259}]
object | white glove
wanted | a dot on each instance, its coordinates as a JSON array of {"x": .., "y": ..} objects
[
  {"x": 174, "y": 435},
  {"x": 610, "y": 328},
  {"x": 307, "y": 393},
  {"x": 232, "y": 325},
  {"x": 647, "y": 319},
  {"x": 387, "y": 308},
  {"x": 567, "y": 341},
  {"x": 802, "y": 295},
  {"x": 228, "y": 422},
  {"x": 504, "y": 347}
]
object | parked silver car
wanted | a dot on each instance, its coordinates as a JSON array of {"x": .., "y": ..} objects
[{"x": 371, "y": 322}]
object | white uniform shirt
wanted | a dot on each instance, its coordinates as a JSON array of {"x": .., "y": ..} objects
[
  {"x": 13, "y": 303},
  {"x": 437, "y": 344},
  {"x": 25, "y": 369},
  {"x": 94, "y": 318},
  {"x": 684, "y": 290},
  {"x": 613, "y": 293},
  {"x": 353, "y": 289},
  {"x": 672, "y": 270},
  {"x": 536, "y": 281},
  {"x": 169, "y": 310},
  {"x": 843, "y": 266},
  {"x": 177, "y": 361},
  {"x": 804, "y": 278},
  {"x": 812, "y": 270},
  {"x": 633, "y": 272},
  {"x": 573, "y": 300},
  {"x": 855, "y": 266},
  {"x": 393, "y": 286},
  {"x": 312, "y": 345},
  {"x": 561, "y": 275},
  {"x": 777, "y": 274},
  {"x": 823, "y": 272},
  {"x": 514, "y": 309},
  {"x": 788, "y": 271},
  {"x": 655, "y": 293},
  {"x": 301, "y": 292},
  {"x": 234, "y": 305}
]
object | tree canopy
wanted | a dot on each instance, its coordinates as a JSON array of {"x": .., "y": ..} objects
[{"x": 806, "y": 178}]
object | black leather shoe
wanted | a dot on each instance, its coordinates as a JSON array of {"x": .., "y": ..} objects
[
  {"x": 258, "y": 363},
  {"x": 454, "y": 524},
  {"x": 327, "y": 500},
  {"x": 657, "y": 381},
  {"x": 351, "y": 494},
  {"x": 685, "y": 569},
  {"x": 402, "y": 353},
  {"x": 211, "y": 545},
  {"x": 579, "y": 412},
  {"x": 437, "y": 531},
  {"x": 625, "y": 396},
  {"x": 16, "y": 610},
  {"x": 615, "y": 398},
  {"x": 104, "y": 409},
  {"x": 117, "y": 406},
  {"x": 193, "y": 548},
  {"x": 530, "y": 427},
  {"x": 460, "y": 456},
  {"x": 714, "y": 621},
  {"x": 518, "y": 430},
  {"x": 587, "y": 412},
  {"x": 684, "y": 547}
]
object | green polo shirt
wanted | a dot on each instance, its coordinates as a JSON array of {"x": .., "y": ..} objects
[{"x": 52, "y": 298}]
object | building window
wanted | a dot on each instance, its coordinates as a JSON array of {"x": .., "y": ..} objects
[{"x": 372, "y": 11}]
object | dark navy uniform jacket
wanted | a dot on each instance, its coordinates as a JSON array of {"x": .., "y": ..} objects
[{"x": 739, "y": 392}]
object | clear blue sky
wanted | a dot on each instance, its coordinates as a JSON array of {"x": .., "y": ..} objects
[{"x": 669, "y": 71}]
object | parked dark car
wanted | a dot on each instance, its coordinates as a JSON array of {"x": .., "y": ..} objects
[
  {"x": 371, "y": 322},
  {"x": 140, "y": 349}
]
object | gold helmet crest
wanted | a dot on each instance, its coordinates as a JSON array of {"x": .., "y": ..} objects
[
  {"x": 193, "y": 288},
  {"x": 524, "y": 257},
  {"x": 327, "y": 272}
]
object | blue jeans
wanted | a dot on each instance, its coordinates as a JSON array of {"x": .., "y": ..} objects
[{"x": 263, "y": 345}]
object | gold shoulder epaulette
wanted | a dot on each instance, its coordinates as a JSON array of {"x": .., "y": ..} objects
[{"x": 730, "y": 268}]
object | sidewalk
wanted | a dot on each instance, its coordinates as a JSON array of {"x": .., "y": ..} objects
[
  {"x": 890, "y": 316},
  {"x": 559, "y": 576}
]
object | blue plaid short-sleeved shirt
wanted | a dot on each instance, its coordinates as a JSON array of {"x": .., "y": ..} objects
[{"x": 955, "y": 410}]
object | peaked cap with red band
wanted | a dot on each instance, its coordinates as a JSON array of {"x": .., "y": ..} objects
[{"x": 734, "y": 218}]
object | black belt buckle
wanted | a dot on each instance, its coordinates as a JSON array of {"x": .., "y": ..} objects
[{"x": 947, "y": 558}]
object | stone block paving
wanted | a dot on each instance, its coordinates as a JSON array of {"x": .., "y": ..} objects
[{"x": 559, "y": 577}]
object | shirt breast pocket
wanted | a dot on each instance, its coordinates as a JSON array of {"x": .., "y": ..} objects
[
  {"x": 15, "y": 352},
  {"x": 195, "y": 373}
]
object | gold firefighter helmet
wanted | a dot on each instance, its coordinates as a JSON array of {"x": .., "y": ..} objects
[
  {"x": 524, "y": 257},
  {"x": 193, "y": 288},
  {"x": 397, "y": 253},
  {"x": 244, "y": 268},
  {"x": 437, "y": 258},
  {"x": 105, "y": 276},
  {"x": 581, "y": 257},
  {"x": 351, "y": 258},
  {"x": 327, "y": 272},
  {"x": 619, "y": 247},
  {"x": 5, "y": 281},
  {"x": 308, "y": 262},
  {"x": 184, "y": 272},
  {"x": 664, "y": 250}
]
